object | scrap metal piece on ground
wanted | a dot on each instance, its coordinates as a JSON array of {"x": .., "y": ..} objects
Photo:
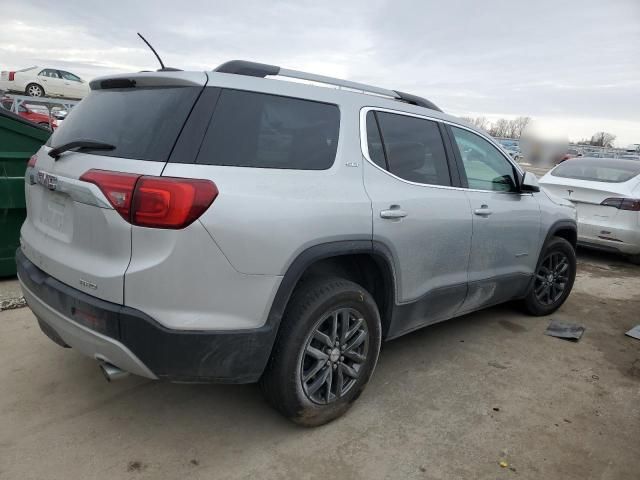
[
  {"x": 566, "y": 331},
  {"x": 634, "y": 332},
  {"x": 12, "y": 303}
]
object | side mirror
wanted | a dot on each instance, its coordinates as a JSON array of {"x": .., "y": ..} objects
[{"x": 529, "y": 183}]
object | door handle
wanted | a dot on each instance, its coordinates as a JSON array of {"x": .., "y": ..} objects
[
  {"x": 393, "y": 213},
  {"x": 483, "y": 211}
]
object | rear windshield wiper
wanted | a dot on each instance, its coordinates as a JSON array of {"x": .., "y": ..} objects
[{"x": 79, "y": 145}]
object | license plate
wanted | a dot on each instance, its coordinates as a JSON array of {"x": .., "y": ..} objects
[{"x": 53, "y": 213}]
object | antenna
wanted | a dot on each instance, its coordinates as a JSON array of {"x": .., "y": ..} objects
[{"x": 152, "y": 49}]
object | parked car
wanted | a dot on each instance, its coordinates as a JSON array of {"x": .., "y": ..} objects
[
  {"x": 59, "y": 113},
  {"x": 606, "y": 192},
  {"x": 512, "y": 147},
  {"x": 249, "y": 229},
  {"x": 30, "y": 113},
  {"x": 44, "y": 82}
]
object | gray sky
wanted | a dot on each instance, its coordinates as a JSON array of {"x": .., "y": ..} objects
[{"x": 574, "y": 66}]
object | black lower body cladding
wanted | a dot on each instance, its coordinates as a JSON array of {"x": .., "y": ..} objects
[{"x": 237, "y": 356}]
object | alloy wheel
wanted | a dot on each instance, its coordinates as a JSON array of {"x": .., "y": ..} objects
[
  {"x": 34, "y": 91},
  {"x": 552, "y": 278},
  {"x": 334, "y": 355}
]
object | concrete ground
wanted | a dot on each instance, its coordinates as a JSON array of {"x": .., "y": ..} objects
[
  {"x": 449, "y": 401},
  {"x": 9, "y": 289}
]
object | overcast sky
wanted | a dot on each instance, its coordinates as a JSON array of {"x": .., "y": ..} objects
[{"x": 574, "y": 66}]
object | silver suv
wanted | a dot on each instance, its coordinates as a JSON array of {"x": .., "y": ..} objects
[{"x": 226, "y": 227}]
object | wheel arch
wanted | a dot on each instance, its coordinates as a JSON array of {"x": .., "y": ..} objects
[
  {"x": 566, "y": 229},
  {"x": 356, "y": 260}
]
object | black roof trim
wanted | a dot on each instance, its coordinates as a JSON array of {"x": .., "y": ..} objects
[
  {"x": 415, "y": 100},
  {"x": 251, "y": 69}
]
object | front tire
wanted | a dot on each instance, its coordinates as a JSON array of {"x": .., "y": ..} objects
[
  {"x": 553, "y": 278},
  {"x": 34, "y": 90},
  {"x": 326, "y": 350},
  {"x": 635, "y": 259}
]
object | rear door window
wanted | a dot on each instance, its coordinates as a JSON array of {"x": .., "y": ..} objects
[
  {"x": 374, "y": 141},
  {"x": 250, "y": 129},
  {"x": 142, "y": 123},
  {"x": 414, "y": 149},
  {"x": 48, "y": 72}
]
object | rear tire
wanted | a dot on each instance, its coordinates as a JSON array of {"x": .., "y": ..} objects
[
  {"x": 34, "y": 90},
  {"x": 553, "y": 278},
  {"x": 326, "y": 350},
  {"x": 635, "y": 259}
]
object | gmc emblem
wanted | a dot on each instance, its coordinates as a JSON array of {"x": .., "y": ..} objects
[{"x": 47, "y": 180}]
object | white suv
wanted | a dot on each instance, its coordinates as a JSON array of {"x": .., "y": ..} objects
[{"x": 225, "y": 227}]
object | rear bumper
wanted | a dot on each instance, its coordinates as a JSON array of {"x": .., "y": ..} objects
[
  {"x": 134, "y": 342},
  {"x": 607, "y": 237}
]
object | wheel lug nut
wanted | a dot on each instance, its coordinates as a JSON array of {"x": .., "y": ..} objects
[{"x": 341, "y": 358}]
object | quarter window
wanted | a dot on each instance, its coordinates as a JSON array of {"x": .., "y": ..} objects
[
  {"x": 250, "y": 129},
  {"x": 485, "y": 167},
  {"x": 413, "y": 148}
]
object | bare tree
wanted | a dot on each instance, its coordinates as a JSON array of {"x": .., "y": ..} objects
[
  {"x": 500, "y": 128},
  {"x": 519, "y": 125},
  {"x": 478, "y": 122},
  {"x": 602, "y": 139}
]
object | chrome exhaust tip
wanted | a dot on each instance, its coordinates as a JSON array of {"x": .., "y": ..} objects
[{"x": 111, "y": 372}]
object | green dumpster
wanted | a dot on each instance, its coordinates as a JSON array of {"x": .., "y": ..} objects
[{"x": 19, "y": 139}]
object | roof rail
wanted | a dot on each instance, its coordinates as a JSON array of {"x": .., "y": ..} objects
[{"x": 254, "y": 69}]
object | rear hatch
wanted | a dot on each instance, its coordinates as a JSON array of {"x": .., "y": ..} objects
[
  {"x": 72, "y": 231},
  {"x": 595, "y": 201}
]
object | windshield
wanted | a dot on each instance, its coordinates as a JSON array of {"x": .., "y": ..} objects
[
  {"x": 598, "y": 170},
  {"x": 142, "y": 123}
]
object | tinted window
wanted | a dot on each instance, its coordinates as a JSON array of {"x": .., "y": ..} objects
[
  {"x": 374, "y": 142},
  {"x": 142, "y": 123},
  {"x": 414, "y": 149},
  {"x": 251, "y": 129},
  {"x": 485, "y": 167},
  {"x": 605, "y": 170}
]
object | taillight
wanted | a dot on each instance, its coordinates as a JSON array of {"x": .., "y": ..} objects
[
  {"x": 12, "y": 75},
  {"x": 623, "y": 203},
  {"x": 116, "y": 186},
  {"x": 32, "y": 161},
  {"x": 155, "y": 202},
  {"x": 166, "y": 202}
]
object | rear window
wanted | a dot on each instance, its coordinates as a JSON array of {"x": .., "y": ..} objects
[
  {"x": 605, "y": 170},
  {"x": 414, "y": 149},
  {"x": 250, "y": 129},
  {"x": 142, "y": 123}
]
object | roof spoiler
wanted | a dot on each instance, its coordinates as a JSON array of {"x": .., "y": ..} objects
[{"x": 261, "y": 70}]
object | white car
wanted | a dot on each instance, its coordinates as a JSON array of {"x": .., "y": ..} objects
[
  {"x": 44, "y": 82},
  {"x": 606, "y": 192}
]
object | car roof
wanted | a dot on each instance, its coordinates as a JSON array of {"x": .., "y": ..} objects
[{"x": 318, "y": 91}]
